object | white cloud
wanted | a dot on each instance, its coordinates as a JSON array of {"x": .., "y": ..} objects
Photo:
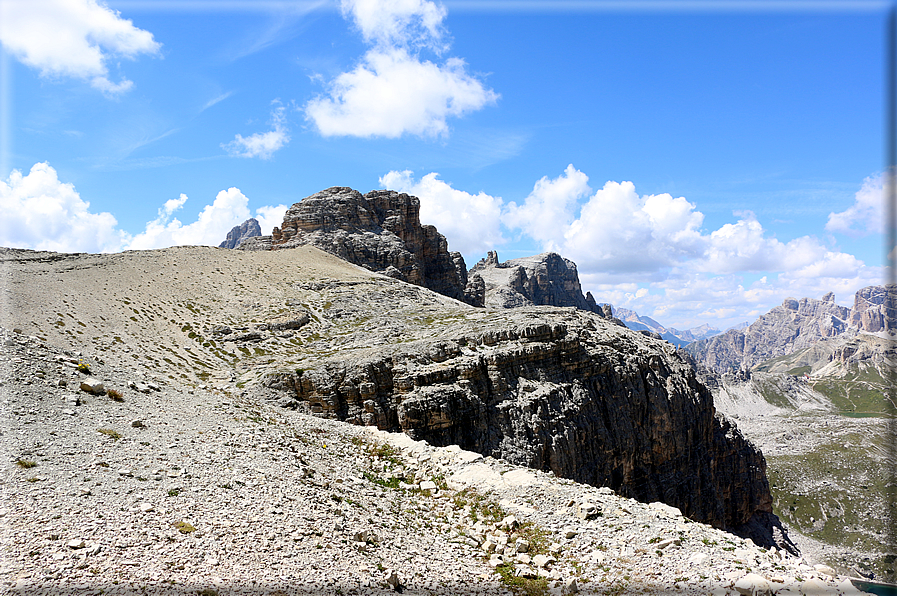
[
  {"x": 549, "y": 208},
  {"x": 42, "y": 213},
  {"x": 397, "y": 23},
  {"x": 270, "y": 217},
  {"x": 229, "y": 209},
  {"x": 72, "y": 38},
  {"x": 616, "y": 230},
  {"x": 866, "y": 215},
  {"x": 262, "y": 144},
  {"x": 471, "y": 223},
  {"x": 392, "y": 91}
]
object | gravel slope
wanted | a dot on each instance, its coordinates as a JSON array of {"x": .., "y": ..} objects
[{"x": 188, "y": 486}]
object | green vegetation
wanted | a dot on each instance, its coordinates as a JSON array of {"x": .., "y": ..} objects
[
  {"x": 183, "y": 527},
  {"x": 838, "y": 493},
  {"x": 481, "y": 508},
  {"x": 109, "y": 433},
  {"x": 522, "y": 585},
  {"x": 25, "y": 463},
  {"x": 861, "y": 391}
]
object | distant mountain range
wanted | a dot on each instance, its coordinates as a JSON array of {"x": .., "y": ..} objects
[
  {"x": 635, "y": 321},
  {"x": 808, "y": 326}
]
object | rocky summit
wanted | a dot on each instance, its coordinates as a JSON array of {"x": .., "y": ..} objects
[
  {"x": 798, "y": 325},
  {"x": 149, "y": 449},
  {"x": 545, "y": 279},
  {"x": 380, "y": 231},
  {"x": 248, "y": 229}
]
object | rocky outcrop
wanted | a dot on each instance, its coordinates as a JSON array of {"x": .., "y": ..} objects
[
  {"x": 875, "y": 309},
  {"x": 795, "y": 325},
  {"x": 559, "y": 390},
  {"x": 546, "y": 279},
  {"x": 248, "y": 229},
  {"x": 380, "y": 231}
]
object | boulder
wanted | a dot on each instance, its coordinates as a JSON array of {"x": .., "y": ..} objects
[{"x": 94, "y": 386}]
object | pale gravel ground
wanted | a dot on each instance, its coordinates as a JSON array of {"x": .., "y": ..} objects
[{"x": 277, "y": 499}]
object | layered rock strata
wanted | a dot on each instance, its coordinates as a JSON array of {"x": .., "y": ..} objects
[
  {"x": 875, "y": 309},
  {"x": 562, "y": 391},
  {"x": 248, "y": 229},
  {"x": 793, "y": 326},
  {"x": 380, "y": 231},
  {"x": 546, "y": 279},
  {"x": 554, "y": 388}
]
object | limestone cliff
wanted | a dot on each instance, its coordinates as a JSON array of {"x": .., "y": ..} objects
[
  {"x": 554, "y": 389},
  {"x": 546, "y": 279},
  {"x": 795, "y": 325},
  {"x": 875, "y": 309},
  {"x": 380, "y": 231},
  {"x": 248, "y": 229}
]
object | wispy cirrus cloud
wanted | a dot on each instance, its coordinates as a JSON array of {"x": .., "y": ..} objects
[
  {"x": 216, "y": 100},
  {"x": 262, "y": 144}
]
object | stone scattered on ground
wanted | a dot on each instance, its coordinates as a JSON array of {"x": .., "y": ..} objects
[{"x": 215, "y": 493}]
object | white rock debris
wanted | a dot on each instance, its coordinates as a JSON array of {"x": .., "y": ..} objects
[{"x": 216, "y": 494}]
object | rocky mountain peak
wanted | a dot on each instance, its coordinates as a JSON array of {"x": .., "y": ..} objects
[
  {"x": 545, "y": 279},
  {"x": 875, "y": 309},
  {"x": 380, "y": 231},
  {"x": 248, "y": 229},
  {"x": 796, "y": 325}
]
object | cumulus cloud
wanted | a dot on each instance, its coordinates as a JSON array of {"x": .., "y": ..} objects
[
  {"x": 230, "y": 208},
  {"x": 270, "y": 217},
  {"x": 398, "y": 23},
  {"x": 262, "y": 144},
  {"x": 392, "y": 91},
  {"x": 42, "y": 213},
  {"x": 72, "y": 38},
  {"x": 549, "y": 208},
  {"x": 470, "y": 222},
  {"x": 866, "y": 215}
]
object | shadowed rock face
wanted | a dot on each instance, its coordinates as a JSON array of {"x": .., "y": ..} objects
[
  {"x": 248, "y": 229},
  {"x": 380, "y": 231},
  {"x": 545, "y": 279},
  {"x": 559, "y": 390}
]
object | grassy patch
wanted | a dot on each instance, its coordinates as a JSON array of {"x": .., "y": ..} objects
[
  {"x": 109, "y": 433},
  {"x": 183, "y": 527},
  {"x": 25, "y": 463},
  {"x": 522, "y": 585}
]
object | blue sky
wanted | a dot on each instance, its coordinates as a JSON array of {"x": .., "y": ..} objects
[{"x": 699, "y": 161}]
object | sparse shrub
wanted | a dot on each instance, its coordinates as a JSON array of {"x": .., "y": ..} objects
[
  {"x": 83, "y": 367},
  {"x": 109, "y": 433},
  {"x": 25, "y": 463},
  {"x": 173, "y": 492},
  {"x": 207, "y": 592},
  {"x": 115, "y": 395}
]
